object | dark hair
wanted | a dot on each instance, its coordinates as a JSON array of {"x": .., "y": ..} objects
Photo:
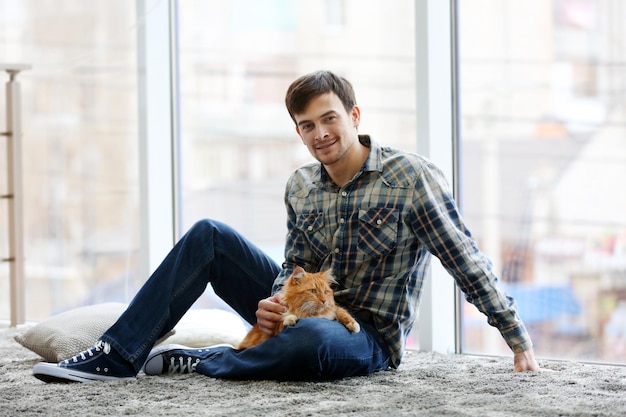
[{"x": 309, "y": 86}]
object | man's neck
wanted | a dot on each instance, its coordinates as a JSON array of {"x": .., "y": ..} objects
[{"x": 343, "y": 171}]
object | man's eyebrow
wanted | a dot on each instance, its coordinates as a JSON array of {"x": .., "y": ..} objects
[{"x": 303, "y": 122}]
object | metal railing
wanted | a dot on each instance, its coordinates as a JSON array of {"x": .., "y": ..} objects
[{"x": 14, "y": 194}]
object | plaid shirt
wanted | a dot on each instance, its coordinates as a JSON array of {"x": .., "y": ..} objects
[{"x": 377, "y": 234}]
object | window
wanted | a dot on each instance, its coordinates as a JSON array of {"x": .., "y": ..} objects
[
  {"x": 543, "y": 119},
  {"x": 79, "y": 118},
  {"x": 542, "y": 151}
]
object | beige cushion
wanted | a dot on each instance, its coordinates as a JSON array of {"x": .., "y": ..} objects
[{"x": 66, "y": 334}]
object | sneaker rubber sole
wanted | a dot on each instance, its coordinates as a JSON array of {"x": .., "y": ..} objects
[{"x": 51, "y": 372}]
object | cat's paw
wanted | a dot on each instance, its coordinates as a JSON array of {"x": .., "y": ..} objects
[
  {"x": 290, "y": 320},
  {"x": 353, "y": 327}
]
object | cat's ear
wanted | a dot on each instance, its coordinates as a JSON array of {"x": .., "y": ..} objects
[
  {"x": 330, "y": 277},
  {"x": 298, "y": 273}
]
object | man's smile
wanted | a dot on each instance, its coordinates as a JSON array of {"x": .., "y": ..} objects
[{"x": 325, "y": 145}]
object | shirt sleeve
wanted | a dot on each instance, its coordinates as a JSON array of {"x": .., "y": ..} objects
[{"x": 439, "y": 226}]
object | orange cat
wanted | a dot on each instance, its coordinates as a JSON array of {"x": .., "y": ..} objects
[{"x": 306, "y": 295}]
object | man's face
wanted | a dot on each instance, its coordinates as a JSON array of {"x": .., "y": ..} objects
[{"x": 327, "y": 130}]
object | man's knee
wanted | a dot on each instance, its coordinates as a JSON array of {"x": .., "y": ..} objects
[
  {"x": 202, "y": 226},
  {"x": 209, "y": 229},
  {"x": 214, "y": 229}
]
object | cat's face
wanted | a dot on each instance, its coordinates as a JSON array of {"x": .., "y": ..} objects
[{"x": 309, "y": 293}]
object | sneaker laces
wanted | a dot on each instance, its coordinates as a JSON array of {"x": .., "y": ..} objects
[
  {"x": 99, "y": 346},
  {"x": 181, "y": 367}
]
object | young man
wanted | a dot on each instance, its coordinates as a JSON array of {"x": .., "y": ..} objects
[{"x": 372, "y": 214}]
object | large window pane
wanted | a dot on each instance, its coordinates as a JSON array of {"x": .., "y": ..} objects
[
  {"x": 543, "y": 161},
  {"x": 237, "y": 59},
  {"x": 79, "y": 106}
]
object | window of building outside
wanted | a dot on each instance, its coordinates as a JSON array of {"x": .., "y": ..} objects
[
  {"x": 237, "y": 58},
  {"x": 80, "y": 174},
  {"x": 543, "y": 151}
]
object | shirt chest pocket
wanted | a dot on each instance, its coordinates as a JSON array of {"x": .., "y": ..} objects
[
  {"x": 311, "y": 225},
  {"x": 378, "y": 230}
]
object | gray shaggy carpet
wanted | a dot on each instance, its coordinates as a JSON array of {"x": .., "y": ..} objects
[{"x": 426, "y": 384}]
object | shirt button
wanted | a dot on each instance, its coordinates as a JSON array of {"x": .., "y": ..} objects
[
  {"x": 310, "y": 228},
  {"x": 344, "y": 193},
  {"x": 342, "y": 220},
  {"x": 336, "y": 250},
  {"x": 379, "y": 222}
]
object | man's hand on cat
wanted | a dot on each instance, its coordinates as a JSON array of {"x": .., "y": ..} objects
[
  {"x": 525, "y": 361},
  {"x": 270, "y": 313}
]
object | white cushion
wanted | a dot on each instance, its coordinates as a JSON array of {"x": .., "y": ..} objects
[
  {"x": 66, "y": 334},
  {"x": 207, "y": 327}
]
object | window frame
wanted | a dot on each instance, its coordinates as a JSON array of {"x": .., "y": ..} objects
[
  {"x": 158, "y": 131},
  {"x": 437, "y": 118}
]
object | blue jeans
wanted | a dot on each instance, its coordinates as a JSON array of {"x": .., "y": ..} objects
[{"x": 241, "y": 274}]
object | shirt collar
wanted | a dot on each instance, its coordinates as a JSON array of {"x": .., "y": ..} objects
[{"x": 374, "y": 161}]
